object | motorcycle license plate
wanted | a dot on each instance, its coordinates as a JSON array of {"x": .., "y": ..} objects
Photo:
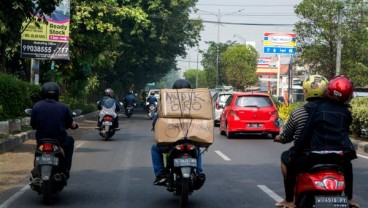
[
  {"x": 47, "y": 160},
  {"x": 107, "y": 123},
  {"x": 331, "y": 201},
  {"x": 185, "y": 162}
]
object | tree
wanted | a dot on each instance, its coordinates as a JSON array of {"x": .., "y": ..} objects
[
  {"x": 194, "y": 75},
  {"x": 318, "y": 31},
  {"x": 240, "y": 64},
  {"x": 209, "y": 62}
]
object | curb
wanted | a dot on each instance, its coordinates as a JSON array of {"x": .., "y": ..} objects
[
  {"x": 12, "y": 141},
  {"x": 360, "y": 146}
]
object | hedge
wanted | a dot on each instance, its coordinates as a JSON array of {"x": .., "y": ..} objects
[{"x": 16, "y": 96}]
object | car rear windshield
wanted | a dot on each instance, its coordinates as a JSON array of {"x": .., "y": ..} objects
[{"x": 253, "y": 101}]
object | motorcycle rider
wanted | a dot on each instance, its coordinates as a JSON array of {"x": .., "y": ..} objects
[
  {"x": 157, "y": 152},
  {"x": 151, "y": 99},
  {"x": 311, "y": 125},
  {"x": 129, "y": 99},
  {"x": 51, "y": 118},
  {"x": 108, "y": 106}
]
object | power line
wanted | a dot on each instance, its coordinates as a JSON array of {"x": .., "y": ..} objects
[
  {"x": 255, "y": 15},
  {"x": 248, "y": 5},
  {"x": 241, "y": 23}
]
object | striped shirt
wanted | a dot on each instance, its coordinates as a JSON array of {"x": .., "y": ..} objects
[{"x": 294, "y": 126}]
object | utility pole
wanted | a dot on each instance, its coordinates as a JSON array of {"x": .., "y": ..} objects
[{"x": 338, "y": 44}]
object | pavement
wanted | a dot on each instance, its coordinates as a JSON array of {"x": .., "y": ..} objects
[
  {"x": 8, "y": 144},
  {"x": 12, "y": 141}
]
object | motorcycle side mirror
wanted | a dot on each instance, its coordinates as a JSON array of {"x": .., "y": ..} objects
[
  {"x": 121, "y": 104},
  {"x": 28, "y": 111},
  {"x": 77, "y": 112}
]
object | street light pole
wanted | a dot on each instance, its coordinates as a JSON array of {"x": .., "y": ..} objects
[{"x": 218, "y": 16}]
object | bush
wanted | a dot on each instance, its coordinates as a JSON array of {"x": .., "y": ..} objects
[
  {"x": 285, "y": 111},
  {"x": 16, "y": 96},
  {"x": 360, "y": 115}
]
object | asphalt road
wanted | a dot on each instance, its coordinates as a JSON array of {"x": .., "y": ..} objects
[{"x": 242, "y": 172}]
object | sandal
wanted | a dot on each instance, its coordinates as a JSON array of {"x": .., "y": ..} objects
[
  {"x": 353, "y": 204},
  {"x": 285, "y": 204}
]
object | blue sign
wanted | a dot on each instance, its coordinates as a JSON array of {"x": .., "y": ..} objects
[{"x": 279, "y": 50}]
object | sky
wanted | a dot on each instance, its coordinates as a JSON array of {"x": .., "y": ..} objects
[{"x": 239, "y": 11}]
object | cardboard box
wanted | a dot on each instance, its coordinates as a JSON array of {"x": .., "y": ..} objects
[
  {"x": 186, "y": 103},
  {"x": 170, "y": 130}
]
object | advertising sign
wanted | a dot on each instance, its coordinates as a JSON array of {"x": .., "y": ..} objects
[
  {"x": 49, "y": 41},
  {"x": 279, "y": 39},
  {"x": 279, "y": 43}
]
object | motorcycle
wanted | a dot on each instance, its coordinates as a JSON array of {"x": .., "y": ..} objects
[
  {"x": 107, "y": 129},
  {"x": 129, "y": 110},
  {"x": 152, "y": 110},
  {"x": 49, "y": 172},
  {"x": 321, "y": 187},
  {"x": 180, "y": 164}
]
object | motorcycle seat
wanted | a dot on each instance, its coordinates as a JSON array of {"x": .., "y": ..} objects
[{"x": 320, "y": 167}]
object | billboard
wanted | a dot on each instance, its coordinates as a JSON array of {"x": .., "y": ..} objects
[
  {"x": 48, "y": 41},
  {"x": 279, "y": 43}
]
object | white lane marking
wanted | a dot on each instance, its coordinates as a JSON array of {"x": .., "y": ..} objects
[
  {"x": 25, "y": 188},
  {"x": 365, "y": 157},
  {"x": 14, "y": 197},
  {"x": 222, "y": 155},
  {"x": 270, "y": 193}
]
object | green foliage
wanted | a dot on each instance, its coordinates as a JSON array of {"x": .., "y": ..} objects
[
  {"x": 285, "y": 110},
  {"x": 16, "y": 96},
  {"x": 318, "y": 30},
  {"x": 240, "y": 64},
  {"x": 193, "y": 74},
  {"x": 359, "y": 112}
]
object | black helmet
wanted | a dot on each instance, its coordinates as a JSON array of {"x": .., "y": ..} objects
[
  {"x": 181, "y": 83},
  {"x": 109, "y": 92},
  {"x": 50, "y": 90}
]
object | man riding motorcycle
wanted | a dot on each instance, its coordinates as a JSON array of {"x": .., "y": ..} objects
[
  {"x": 51, "y": 119},
  {"x": 129, "y": 99},
  {"x": 108, "y": 106},
  {"x": 157, "y": 152},
  {"x": 311, "y": 126},
  {"x": 151, "y": 100}
]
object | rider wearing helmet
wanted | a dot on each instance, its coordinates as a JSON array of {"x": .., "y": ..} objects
[
  {"x": 311, "y": 127},
  {"x": 51, "y": 119},
  {"x": 108, "y": 106},
  {"x": 129, "y": 99},
  {"x": 157, "y": 152}
]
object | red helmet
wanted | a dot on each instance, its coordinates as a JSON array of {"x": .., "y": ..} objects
[{"x": 340, "y": 88}]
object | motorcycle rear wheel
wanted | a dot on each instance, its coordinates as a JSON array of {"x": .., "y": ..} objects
[
  {"x": 184, "y": 192},
  {"x": 47, "y": 191}
]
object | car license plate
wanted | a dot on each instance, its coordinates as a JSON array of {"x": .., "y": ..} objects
[
  {"x": 185, "y": 162},
  {"x": 109, "y": 123},
  {"x": 47, "y": 160},
  {"x": 331, "y": 201},
  {"x": 254, "y": 125}
]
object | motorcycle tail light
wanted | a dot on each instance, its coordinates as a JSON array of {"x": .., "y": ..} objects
[
  {"x": 47, "y": 147},
  {"x": 107, "y": 118},
  {"x": 340, "y": 184},
  {"x": 190, "y": 147},
  {"x": 179, "y": 147},
  {"x": 152, "y": 107},
  {"x": 328, "y": 183}
]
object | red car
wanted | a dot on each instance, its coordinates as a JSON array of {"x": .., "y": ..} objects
[{"x": 249, "y": 112}]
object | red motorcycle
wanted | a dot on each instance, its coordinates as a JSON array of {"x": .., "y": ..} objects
[{"x": 321, "y": 187}]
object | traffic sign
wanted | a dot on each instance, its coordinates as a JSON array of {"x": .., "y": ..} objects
[{"x": 279, "y": 50}]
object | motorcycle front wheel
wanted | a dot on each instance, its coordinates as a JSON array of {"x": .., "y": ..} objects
[{"x": 184, "y": 192}]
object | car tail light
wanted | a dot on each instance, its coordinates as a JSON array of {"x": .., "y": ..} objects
[
  {"x": 217, "y": 106},
  {"x": 233, "y": 113},
  {"x": 107, "y": 118},
  {"x": 47, "y": 147}
]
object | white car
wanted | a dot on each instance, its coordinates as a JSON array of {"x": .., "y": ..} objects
[{"x": 218, "y": 102}]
